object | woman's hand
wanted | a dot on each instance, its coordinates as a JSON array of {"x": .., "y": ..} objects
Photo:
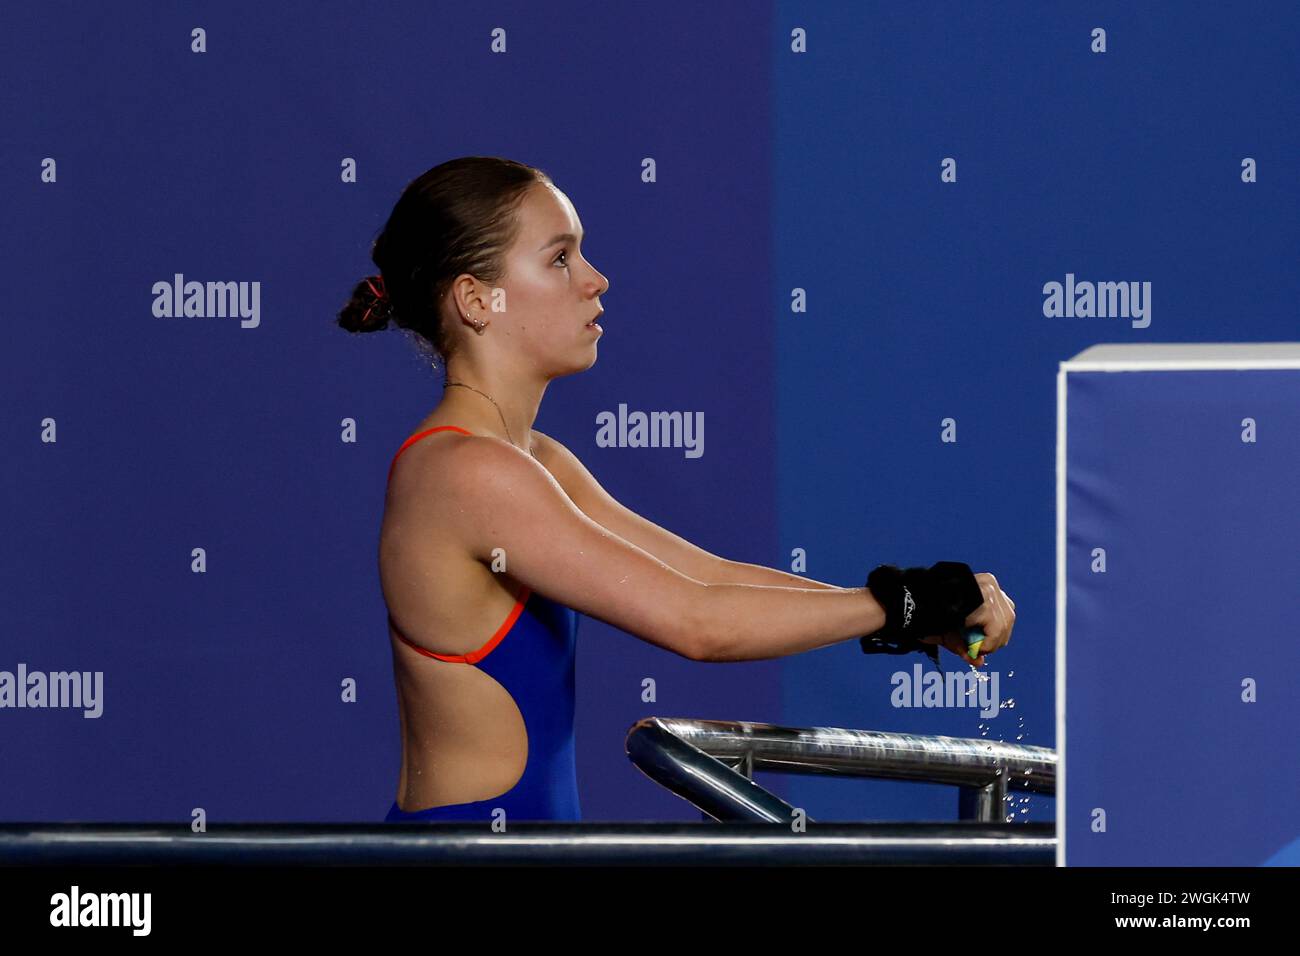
[{"x": 995, "y": 617}]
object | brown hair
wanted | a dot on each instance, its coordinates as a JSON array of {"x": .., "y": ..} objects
[{"x": 459, "y": 217}]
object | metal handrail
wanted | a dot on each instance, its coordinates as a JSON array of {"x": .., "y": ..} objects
[
  {"x": 524, "y": 844},
  {"x": 710, "y": 763}
]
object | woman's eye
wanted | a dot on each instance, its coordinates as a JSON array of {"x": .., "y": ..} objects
[{"x": 564, "y": 255}]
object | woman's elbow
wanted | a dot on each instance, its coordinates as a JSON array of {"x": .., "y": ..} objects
[
  {"x": 694, "y": 647},
  {"x": 697, "y": 637}
]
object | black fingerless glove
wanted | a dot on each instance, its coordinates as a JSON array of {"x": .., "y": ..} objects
[{"x": 919, "y": 603}]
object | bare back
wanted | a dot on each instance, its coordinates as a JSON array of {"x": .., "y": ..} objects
[{"x": 463, "y": 737}]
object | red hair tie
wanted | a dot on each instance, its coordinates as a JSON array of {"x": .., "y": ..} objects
[{"x": 381, "y": 296}]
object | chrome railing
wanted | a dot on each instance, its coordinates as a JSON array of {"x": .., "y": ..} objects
[
  {"x": 711, "y": 764},
  {"x": 523, "y": 844}
]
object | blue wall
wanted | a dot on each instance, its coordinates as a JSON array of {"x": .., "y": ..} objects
[
  {"x": 925, "y": 298},
  {"x": 776, "y": 170}
]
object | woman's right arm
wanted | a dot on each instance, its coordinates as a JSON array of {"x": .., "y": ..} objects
[{"x": 505, "y": 507}]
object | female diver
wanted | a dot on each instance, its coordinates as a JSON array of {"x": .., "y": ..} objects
[{"x": 495, "y": 535}]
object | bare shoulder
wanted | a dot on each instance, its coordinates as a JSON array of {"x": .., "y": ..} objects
[
  {"x": 451, "y": 471},
  {"x": 431, "y": 453},
  {"x": 545, "y": 447},
  {"x": 562, "y": 464},
  {"x": 552, "y": 453},
  {"x": 458, "y": 484},
  {"x": 422, "y": 461},
  {"x": 479, "y": 466}
]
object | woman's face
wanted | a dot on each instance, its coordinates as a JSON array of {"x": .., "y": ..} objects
[{"x": 551, "y": 290}]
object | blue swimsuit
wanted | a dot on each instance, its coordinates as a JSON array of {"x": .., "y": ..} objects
[{"x": 535, "y": 664}]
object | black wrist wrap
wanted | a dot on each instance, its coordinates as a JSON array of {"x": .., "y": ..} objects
[{"x": 919, "y": 603}]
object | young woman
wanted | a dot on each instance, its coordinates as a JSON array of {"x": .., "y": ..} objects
[{"x": 494, "y": 535}]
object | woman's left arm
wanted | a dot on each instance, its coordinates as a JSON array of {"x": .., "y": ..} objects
[
  {"x": 737, "y": 572},
  {"x": 673, "y": 550}
]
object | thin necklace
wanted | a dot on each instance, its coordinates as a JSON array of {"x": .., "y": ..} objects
[{"x": 447, "y": 385}]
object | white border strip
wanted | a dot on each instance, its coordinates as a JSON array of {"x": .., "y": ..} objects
[
  {"x": 1188, "y": 365},
  {"x": 1060, "y": 613}
]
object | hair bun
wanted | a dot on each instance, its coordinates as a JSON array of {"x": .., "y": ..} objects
[
  {"x": 369, "y": 309},
  {"x": 380, "y": 309}
]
